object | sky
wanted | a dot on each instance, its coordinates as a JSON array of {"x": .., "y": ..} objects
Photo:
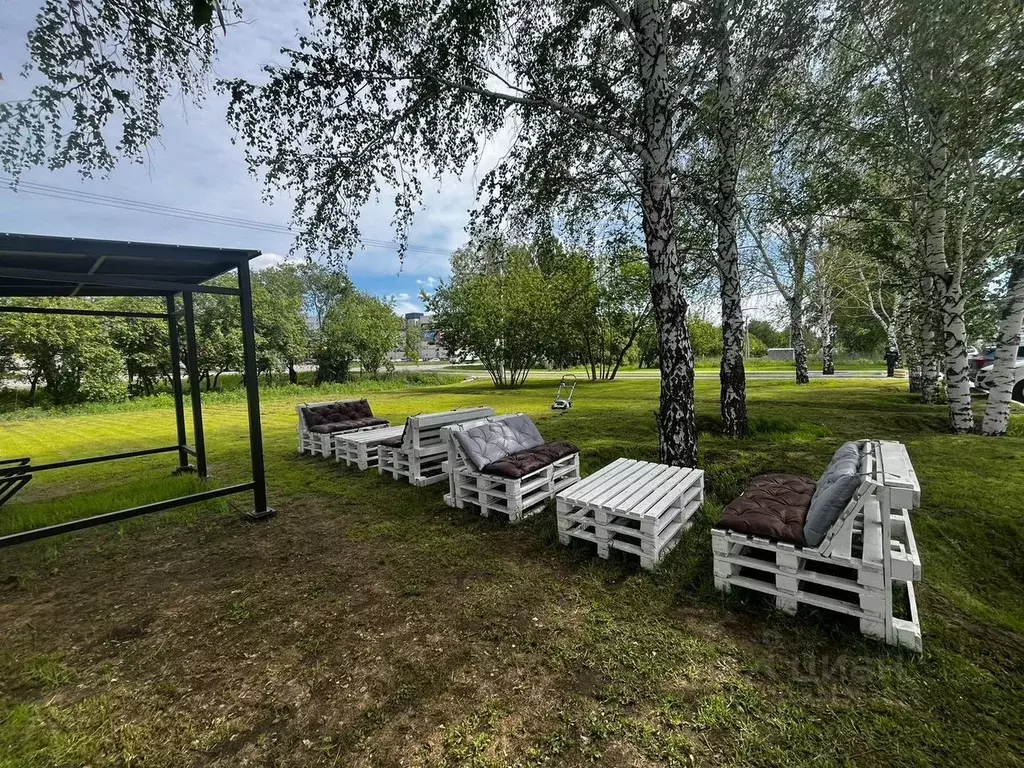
[{"x": 195, "y": 166}]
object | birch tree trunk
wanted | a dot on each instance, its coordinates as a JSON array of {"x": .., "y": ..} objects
[
  {"x": 677, "y": 420},
  {"x": 929, "y": 368},
  {"x": 1003, "y": 378},
  {"x": 732, "y": 374},
  {"x": 796, "y": 336},
  {"x": 828, "y": 347},
  {"x": 946, "y": 282}
]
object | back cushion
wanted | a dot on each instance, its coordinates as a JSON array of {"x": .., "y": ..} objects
[
  {"x": 332, "y": 413},
  {"x": 832, "y": 493},
  {"x": 497, "y": 439}
]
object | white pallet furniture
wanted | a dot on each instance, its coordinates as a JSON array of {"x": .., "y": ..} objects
[
  {"x": 421, "y": 455},
  {"x": 322, "y": 443},
  {"x": 516, "y": 498},
  {"x": 360, "y": 448},
  {"x": 868, "y": 551},
  {"x": 632, "y": 506}
]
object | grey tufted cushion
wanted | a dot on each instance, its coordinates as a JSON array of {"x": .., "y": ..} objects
[
  {"x": 832, "y": 493},
  {"x": 486, "y": 443}
]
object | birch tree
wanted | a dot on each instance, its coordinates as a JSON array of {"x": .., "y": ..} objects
[
  {"x": 381, "y": 96},
  {"x": 951, "y": 75},
  {"x": 1003, "y": 381},
  {"x": 754, "y": 41}
]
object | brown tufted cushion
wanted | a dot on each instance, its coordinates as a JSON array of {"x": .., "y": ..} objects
[
  {"x": 333, "y": 413},
  {"x": 342, "y": 426},
  {"x": 772, "y": 505},
  {"x": 520, "y": 464}
]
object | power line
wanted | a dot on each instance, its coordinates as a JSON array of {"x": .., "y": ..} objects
[{"x": 156, "y": 209}]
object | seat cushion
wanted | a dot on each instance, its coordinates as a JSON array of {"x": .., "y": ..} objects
[
  {"x": 773, "y": 505},
  {"x": 832, "y": 493},
  {"x": 343, "y": 426},
  {"x": 493, "y": 440},
  {"x": 332, "y": 413},
  {"x": 392, "y": 442},
  {"x": 522, "y": 463}
]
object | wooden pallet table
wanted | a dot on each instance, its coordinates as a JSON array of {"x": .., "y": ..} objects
[
  {"x": 632, "y": 506},
  {"x": 360, "y": 448}
]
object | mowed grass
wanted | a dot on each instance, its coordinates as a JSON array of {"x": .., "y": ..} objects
[{"x": 368, "y": 624}]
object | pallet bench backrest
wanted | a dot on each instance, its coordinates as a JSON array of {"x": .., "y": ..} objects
[
  {"x": 888, "y": 480},
  {"x": 424, "y": 430}
]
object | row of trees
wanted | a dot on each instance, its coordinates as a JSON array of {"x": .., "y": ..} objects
[
  {"x": 514, "y": 307},
  {"x": 80, "y": 358},
  {"x": 763, "y": 142}
]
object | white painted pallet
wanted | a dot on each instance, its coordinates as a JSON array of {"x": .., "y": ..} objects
[
  {"x": 633, "y": 506},
  {"x": 421, "y": 456},
  {"x": 321, "y": 443},
  {"x": 360, "y": 448},
  {"x": 868, "y": 551},
  {"x": 517, "y": 498}
]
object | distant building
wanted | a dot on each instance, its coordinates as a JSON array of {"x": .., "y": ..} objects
[{"x": 430, "y": 348}]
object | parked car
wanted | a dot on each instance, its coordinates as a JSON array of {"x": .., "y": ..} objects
[
  {"x": 978, "y": 360},
  {"x": 983, "y": 380}
]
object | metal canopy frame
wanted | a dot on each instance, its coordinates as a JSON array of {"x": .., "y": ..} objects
[{"x": 54, "y": 267}]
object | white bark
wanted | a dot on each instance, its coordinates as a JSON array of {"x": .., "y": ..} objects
[
  {"x": 1003, "y": 377},
  {"x": 926, "y": 340},
  {"x": 732, "y": 374},
  {"x": 677, "y": 421},
  {"x": 948, "y": 289}
]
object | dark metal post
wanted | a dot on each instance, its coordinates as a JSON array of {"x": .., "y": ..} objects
[
  {"x": 179, "y": 402},
  {"x": 252, "y": 395},
  {"x": 192, "y": 366}
]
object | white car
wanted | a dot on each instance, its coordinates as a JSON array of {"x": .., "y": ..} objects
[{"x": 982, "y": 381}]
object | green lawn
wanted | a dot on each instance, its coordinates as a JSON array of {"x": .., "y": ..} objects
[{"x": 370, "y": 625}]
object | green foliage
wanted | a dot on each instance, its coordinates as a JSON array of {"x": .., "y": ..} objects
[
  {"x": 377, "y": 332},
  {"x": 100, "y": 72},
  {"x": 282, "y": 335},
  {"x": 359, "y": 327},
  {"x": 412, "y": 338},
  {"x": 757, "y": 347},
  {"x": 767, "y": 334},
  {"x": 143, "y": 344},
  {"x": 218, "y": 332},
  {"x": 611, "y": 294},
  {"x": 498, "y": 307},
  {"x": 705, "y": 337},
  {"x": 71, "y": 355}
]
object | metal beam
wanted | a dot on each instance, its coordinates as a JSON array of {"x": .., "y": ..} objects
[
  {"x": 124, "y": 514},
  {"x": 192, "y": 366},
  {"x": 109, "y": 457},
  {"x": 83, "y": 312},
  {"x": 114, "y": 281},
  {"x": 179, "y": 400},
  {"x": 252, "y": 396},
  {"x": 77, "y": 246}
]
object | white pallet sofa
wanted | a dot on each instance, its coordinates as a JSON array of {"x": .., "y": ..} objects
[
  {"x": 418, "y": 454},
  {"x": 632, "y": 506},
  {"x": 320, "y": 422},
  {"x": 864, "y": 564},
  {"x": 503, "y": 465}
]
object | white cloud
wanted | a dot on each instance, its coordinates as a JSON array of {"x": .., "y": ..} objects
[{"x": 267, "y": 260}]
